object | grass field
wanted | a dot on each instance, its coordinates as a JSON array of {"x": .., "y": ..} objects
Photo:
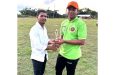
[{"x": 87, "y": 64}]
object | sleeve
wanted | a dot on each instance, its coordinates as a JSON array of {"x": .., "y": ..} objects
[
  {"x": 35, "y": 41},
  {"x": 82, "y": 30}
]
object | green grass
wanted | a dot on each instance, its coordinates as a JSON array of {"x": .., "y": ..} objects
[{"x": 87, "y": 64}]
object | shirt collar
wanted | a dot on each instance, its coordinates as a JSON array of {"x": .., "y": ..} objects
[
  {"x": 73, "y": 19},
  {"x": 38, "y": 25}
]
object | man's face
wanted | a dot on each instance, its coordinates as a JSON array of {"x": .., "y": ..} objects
[
  {"x": 72, "y": 12},
  {"x": 42, "y": 17}
]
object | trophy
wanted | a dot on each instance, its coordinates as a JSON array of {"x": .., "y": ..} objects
[
  {"x": 56, "y": 34},
  {"x": 56, "y": 37}
]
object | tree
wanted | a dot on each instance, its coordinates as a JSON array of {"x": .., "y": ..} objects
[
  {"x": 55, "y": 14},
  {"x": 28, "y": 12},
  {"x": 93, "y": 14}
]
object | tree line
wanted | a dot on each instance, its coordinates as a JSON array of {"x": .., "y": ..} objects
[{"x": 54, "y": 13}]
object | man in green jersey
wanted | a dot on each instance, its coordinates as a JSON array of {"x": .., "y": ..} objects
[{"x": 73, "y": 35}]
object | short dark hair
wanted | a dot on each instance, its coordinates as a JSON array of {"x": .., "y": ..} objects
[{"x": 39, "y": 11}]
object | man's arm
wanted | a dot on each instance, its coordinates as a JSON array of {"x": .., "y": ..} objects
[{"x": 74, "y": 42}]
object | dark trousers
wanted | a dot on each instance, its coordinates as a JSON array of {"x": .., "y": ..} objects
[
  {"x": 63, "y": 62},
  {"x": 39, "y": 67}
]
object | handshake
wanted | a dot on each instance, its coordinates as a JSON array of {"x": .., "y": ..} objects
[{"x": 55, "y": 44}]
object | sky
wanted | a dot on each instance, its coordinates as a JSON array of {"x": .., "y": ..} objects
[{"x": 55, "y": 4}]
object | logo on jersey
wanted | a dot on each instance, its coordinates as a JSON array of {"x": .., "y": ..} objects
[{"x": 72, "y": 29}]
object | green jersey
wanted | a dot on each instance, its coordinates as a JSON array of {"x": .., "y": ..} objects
[{"x": 72, "y": 30}]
